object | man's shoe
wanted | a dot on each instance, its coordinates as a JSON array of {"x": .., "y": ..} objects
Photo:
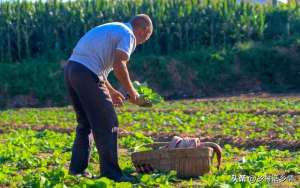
[
  {"x": 85, "y": 174},
  {"x": 125, "y": 178}
]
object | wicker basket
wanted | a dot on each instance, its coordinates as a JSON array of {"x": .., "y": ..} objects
[{"x": 187, "y": 162}]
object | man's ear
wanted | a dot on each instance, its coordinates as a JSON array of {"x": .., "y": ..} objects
[{"x": 121, "y": 56}]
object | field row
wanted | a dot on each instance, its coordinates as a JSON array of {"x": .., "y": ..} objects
[
  {"x": 246, "y": 104},
  {"x": 242, "y": 125}
]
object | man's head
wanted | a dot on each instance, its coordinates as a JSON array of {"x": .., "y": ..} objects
[{"x": 142, "y": 27}]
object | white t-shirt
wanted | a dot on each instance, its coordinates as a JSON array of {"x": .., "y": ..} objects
[{"x": 96, "y": 48}]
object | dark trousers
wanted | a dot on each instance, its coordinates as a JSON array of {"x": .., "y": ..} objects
[{"x": 96, "y": 117}]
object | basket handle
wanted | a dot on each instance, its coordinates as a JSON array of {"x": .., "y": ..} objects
[{"x": 216, "y": 149}]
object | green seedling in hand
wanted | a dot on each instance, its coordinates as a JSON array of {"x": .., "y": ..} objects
[{"x": 147, "y": 95}]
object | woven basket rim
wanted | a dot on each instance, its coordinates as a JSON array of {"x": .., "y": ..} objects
[{"x": 176, "y": 149}]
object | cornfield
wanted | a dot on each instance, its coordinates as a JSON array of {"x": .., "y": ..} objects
[{"x": 28, "y": 29}]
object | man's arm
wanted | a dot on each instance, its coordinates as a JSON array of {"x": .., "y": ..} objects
[
  {"x": 110, "y": 88},
  {"x": 121, "y": 73}
]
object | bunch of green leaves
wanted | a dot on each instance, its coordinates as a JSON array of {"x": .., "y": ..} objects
[{"x": 147, "y": 93}]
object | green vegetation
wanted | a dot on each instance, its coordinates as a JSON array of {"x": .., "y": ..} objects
[
  {"x": 38, "y": 80},
  {"x": 35, "y": 28},
  {"x": 31, "y": 156},
  {"x": 247, "y": 67},
  {"x": 268, "y": 118},
  {"x": 198, "y": 48}
]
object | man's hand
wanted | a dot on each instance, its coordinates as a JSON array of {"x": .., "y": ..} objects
[
  {"x": 117, "y": 98},
  {"x": 134, "y": 98},
  {"x": 139, "y": 100}
]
